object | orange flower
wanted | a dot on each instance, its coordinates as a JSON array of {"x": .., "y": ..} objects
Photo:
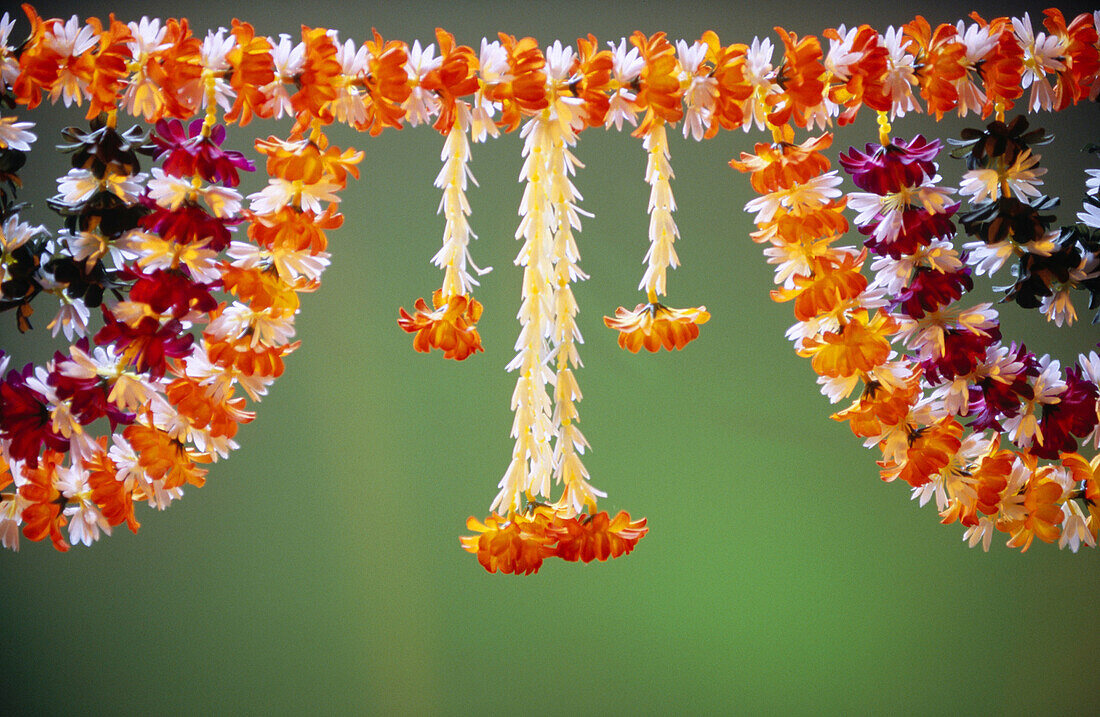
[
  {"x": 109, "y": 68},
  {"x": 43, "y": 516},
  {"x": 387, "y": 84},
  {"x": 832, "y": 288},
  {"x": 260, "y": 289},
  {"x": 598, "y": 537},
  {"x": 204, "y": 410},
  {"x": 308, "y": 161},
  {"x": 860, "y": 346},
  {"x": 516, "y": 544},
  {"x": 252, "y": 69},
  {"x": 1042, "y": 502},
  {"x": 292, "y": 230},
  {"x": 1003, "y": 67},
  {"x": 880, "y": 408},
  {"x": 110, "y": 494},
  {"x": 525, "y": 91},
  {"x": 802, "y": 77},
  {"x": 866, "y": 84},
  {"x": 260, "y": 361},
  {"x": 733, "y": 88},
  {"x": 455, "y": 77},
  {"x": 827, "y": 220},
  {"x": 660, "y": 93},
  {"x": 930, "y": 450},
  {"x": 451, "y": 326},
  {"x": 783, "y": 165},
  {"x": 940, "y": 55},
  {"x": 39, "y": 63},
  {"x": 319, "y": 81},
  {"x": 163, "y": 457},
  {"x": 595, "y": 67},
  {"x": 654, "y": 325},
  {"x": 182, "y": 67},
  {"x": 1081, "y": 56}
]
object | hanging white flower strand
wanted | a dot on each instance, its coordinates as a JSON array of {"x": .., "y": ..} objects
[
  {"x": 567, "y": 118},
  {"x": 652, "y": 325},
  {"x": 531, "y": 466}
]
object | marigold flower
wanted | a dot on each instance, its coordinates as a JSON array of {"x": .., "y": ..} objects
[
  {"x": 598, "y": 537},
  {"x": 43, "y": 515},
  {"x": 941, "y": 57},
  {"x": 162, "y": 457},
  {"x": 654, "y": 325},
  {"x": 455, "y": 77},
  {"x": 859, "y": 347},
  {"x": 109, "y": 66},
  {"x": 783, "y": 165},
  {"x": 802, "y": 78},
  {"x": 931, "y": 449},
  {"x": 253, "y": 69},
  {"x": 660, "y": 95},
  {"x": 451, "y": 326},
  {"x": 516, "y": 544},
  {"x": 1042, "y": 503}
]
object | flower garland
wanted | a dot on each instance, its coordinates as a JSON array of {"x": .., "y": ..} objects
[{"x": 152, "y": 250}]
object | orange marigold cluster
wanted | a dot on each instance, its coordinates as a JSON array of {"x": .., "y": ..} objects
[
  {"x": 519, "y": 542},
  {"x": 450, "y": 326}
]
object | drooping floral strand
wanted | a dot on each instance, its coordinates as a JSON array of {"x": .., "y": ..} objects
[
  {"x": 529, "y": 472},
  {"x": 567, "y": 117},
  {"x": 520, "y": 540},
  {"x": 452, "y": 324},
  {"x": 652, "y": 325}
]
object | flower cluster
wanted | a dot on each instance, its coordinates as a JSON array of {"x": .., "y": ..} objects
[
  {"x": 925, "y": 363},
  {"x": 132, "y": 411},
  {"x": 524, "y": 527},
  {"x": 518, "y": 543},
  {"x": 1008, "y": 219},
  {"x": 189, "y": 312}
]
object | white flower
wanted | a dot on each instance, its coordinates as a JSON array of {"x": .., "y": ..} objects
[
  {"x": 798, "y": 200},
  {"x": 1021, "y": 180},
  {"x": 288, "y": 60},
  {"x": 85, "y": 520},
  {"x": 1075, "y": 528},
  {"x": 69, "y": 40},
  {"x": 900, "y": 73},
  {"x": 72, "y": 318},
  {"x": 16, "y": 135},
  {"x": 282, "y": 192},
  {"x": 1047, "y": 387},
  {"x": 9, "y": 64},
  {"x": 626, "y": 66},
  {"x": 148, "y": 38},
  {"x": 421, "y": 104},
  {"x": 1042, "y": 55},
  {"x": 1091, "y": 216},
  {"x": 11, "y": 514}
]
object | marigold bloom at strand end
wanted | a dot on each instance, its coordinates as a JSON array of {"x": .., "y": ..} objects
[
  {"x": 451, "y": 326},
  {"x": 514, "y": 544},
  {"x": 654, "y": 325},
  {"x": 599, "y": 537}
]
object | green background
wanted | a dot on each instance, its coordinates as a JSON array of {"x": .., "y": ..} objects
[{"x": 319, "y": 570}]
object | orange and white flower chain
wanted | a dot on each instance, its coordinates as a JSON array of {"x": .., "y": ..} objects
[{"x": 161, "y": 71}]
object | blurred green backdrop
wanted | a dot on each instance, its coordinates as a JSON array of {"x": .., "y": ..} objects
[{"x": 319, "y": 569}]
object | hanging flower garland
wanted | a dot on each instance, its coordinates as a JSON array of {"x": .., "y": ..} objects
[{"x": 153, "y": 251}]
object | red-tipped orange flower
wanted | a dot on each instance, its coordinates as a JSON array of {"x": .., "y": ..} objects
[
  {"x": 599, "y": 537},
  {"x": 654, "y": 325},
  {"x": 515, "y": 544},
  {"x": 451, "y": 326}
]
